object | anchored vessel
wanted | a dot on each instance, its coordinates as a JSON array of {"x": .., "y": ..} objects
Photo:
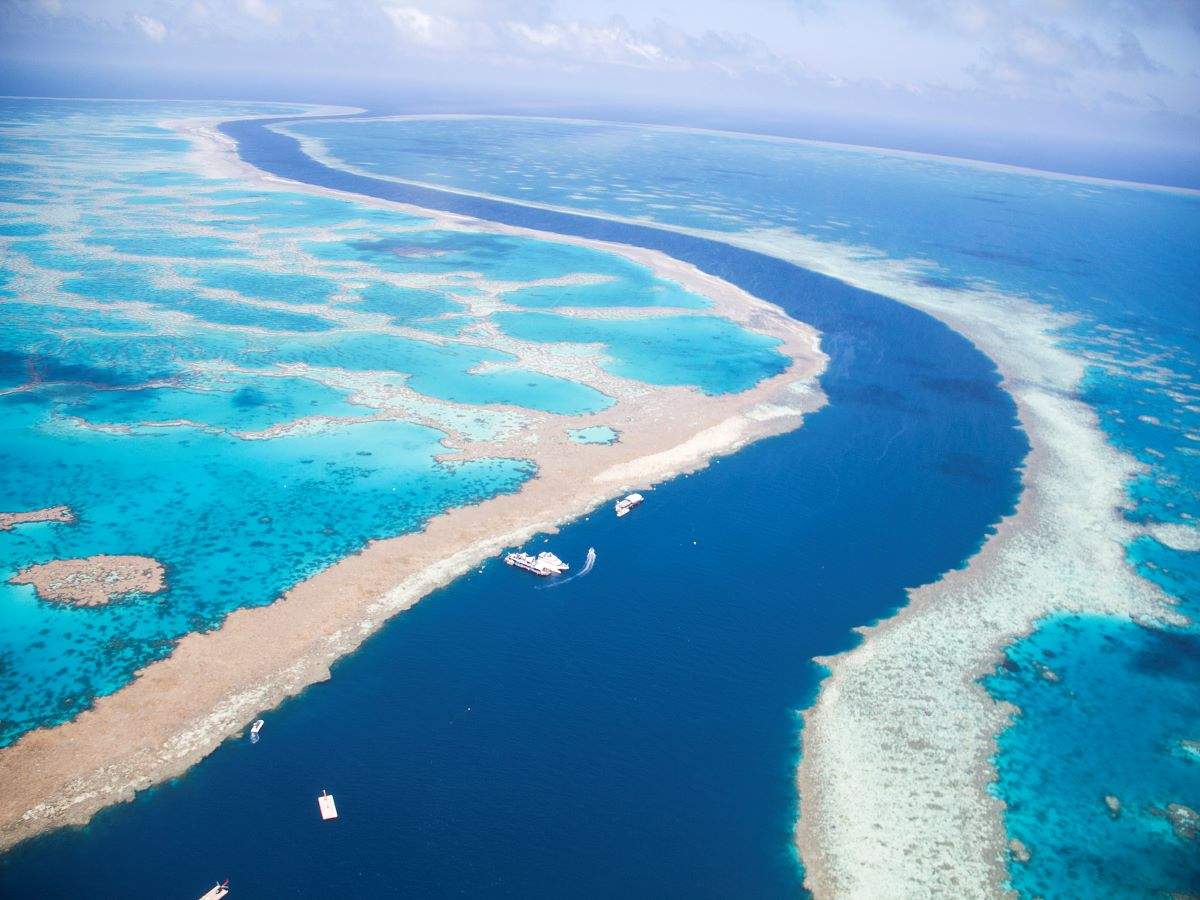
[
  {"x": 216, "y": 891},
  {"x": 542, "y": 564},
  {"x": 625, "y": 504},
  {"x": 326, "y": 805},
  {"x": 255, "y": 729}
]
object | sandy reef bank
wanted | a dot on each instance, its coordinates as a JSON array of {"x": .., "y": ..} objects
[
  {"x": 94, "y": 580},
  {"x": 63, "y": 514},
  {"x": 179, "y": 709}
]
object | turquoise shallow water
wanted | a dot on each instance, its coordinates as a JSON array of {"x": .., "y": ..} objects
[
  {"x": 708, "y": 352},
  {"x": 234, "y": 403},
  {"x": 264, "y": 284},
  {"x": 197, "y": 386},
  {"x": 235, "y": 522},
  {"x": 595, "y": 434},
  {"x": 1105, "y": 710},
  {"x": 1123, "y": 260},
  {"x": 407, "y": 306},
  {"x": 652, "y": 292}
]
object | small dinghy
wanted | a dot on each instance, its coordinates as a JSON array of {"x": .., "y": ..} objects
[{"x": 255, "y": 729}]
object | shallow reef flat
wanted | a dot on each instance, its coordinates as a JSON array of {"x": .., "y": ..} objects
[
  {"x": 248, "y": 390},
  {"x": 94, "y": 580},
  {"x": 11, "y": 520},
  {"x": 1090, "y": 775}
]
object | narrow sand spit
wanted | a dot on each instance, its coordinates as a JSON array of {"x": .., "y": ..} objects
[
  {"x": 9, "y": 521},
  {"x": 179, "y": 709},
  {"x": 94, "y": 580}
]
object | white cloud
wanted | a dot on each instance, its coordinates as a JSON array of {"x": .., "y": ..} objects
[
  {"x": 906, "y": 58},
  {"x": 151, "y": 27},
  {"x": 441, "y": 33},
  {"x": 413, "y": 24},
  {"x": 261, "y": 10},
  {"x": 612, "y": 42},
  {"x": 529, "y": 36},
  {"x": 1019, "y": 41}
]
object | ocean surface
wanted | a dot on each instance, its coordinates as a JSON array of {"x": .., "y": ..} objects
[
  {"x": 635, "y": 729},
  {"x": 1120, "y": 259}
]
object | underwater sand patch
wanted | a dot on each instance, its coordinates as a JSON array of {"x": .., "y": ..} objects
[{"x": 94, "y": 580}]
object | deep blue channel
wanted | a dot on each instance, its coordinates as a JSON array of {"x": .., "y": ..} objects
[{"x": 635, "y": 731}]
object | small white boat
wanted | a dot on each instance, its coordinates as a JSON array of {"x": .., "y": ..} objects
[
  {"x": 625, "y": 504},
  {"x": 326, "y": 805},
  {"x": 216, "y": 891},
  {"x": 255, "y": 729},
  {"x": 543, "y": 564}
]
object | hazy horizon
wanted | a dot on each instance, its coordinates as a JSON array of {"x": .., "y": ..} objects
[{"x": 1090, "y": 87}]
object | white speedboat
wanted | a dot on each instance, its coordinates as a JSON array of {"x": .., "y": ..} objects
[
  {"x": 543, "y": 564},
  {"x": 625, "y": 504},
  {"x": 255, "y": 729}
]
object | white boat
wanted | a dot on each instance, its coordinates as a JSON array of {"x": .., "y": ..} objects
[
  {"x": 216, "y": 891},
  {"x": 326, "y": 805},
  {"x": 255, "y": 729},
  {"x": 542, "y": 564},
  {"x": 625, "y": 504}
]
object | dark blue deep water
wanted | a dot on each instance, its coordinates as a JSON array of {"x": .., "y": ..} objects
[{"x": 636, "y": 730}]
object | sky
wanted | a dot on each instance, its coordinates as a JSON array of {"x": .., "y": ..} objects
[{"x": 1113, "y": 85}]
